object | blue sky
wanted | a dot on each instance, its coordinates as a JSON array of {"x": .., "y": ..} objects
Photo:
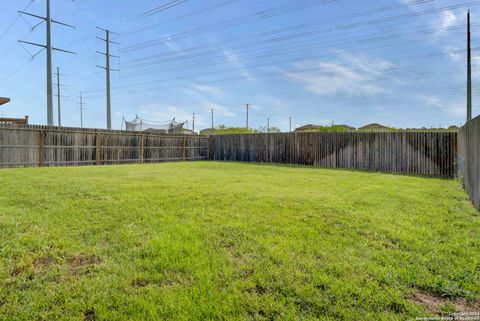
[{"x": 399, "y": 63}]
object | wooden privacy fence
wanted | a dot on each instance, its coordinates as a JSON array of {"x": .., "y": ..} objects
[
  {"x": 469, "y": 158},
  {"x": 49, "y": 146},
  {"x": 419, "y": 153}
]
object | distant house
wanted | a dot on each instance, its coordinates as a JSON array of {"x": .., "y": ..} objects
[
  {"x": 374, "y": 127},
  {"x": 206, "y": 131},
  {"x": 14, "y": 121},
  {"x": 4, "y": 100},
  {"x": 454, "y": 128},
  {"x": 346, "y": 128},
  {"x": 310, "y": 127},
  {"x": 186, "y": 131}
]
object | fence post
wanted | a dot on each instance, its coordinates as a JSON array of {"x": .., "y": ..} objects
[
  {"x": 97, "y": 149},
  {"x": 184, "y": 156},
  {"x": 41, "y": 151},
  {"x": 142, "y": 148}
]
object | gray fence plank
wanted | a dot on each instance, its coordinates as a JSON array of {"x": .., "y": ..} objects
[
  {"x": 22, "y": 146},
  {"x": 418, "y": 153},
  {"x": 469, "y": 158}
]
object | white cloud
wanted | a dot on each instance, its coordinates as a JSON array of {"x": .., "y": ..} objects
[
  {"x": 353, "y": 78},
  {"x": 171, "y": 44},
  {"x": 455, "y": 109},
  {"x": 448, "y": 19},
  {"x": 235, "y": 61},
  {"x": 264, "y": 102},
  {"x": 219, "y": 110},
  {"x": 207, "y": 89},
  {"x": 160, "y": 113}
]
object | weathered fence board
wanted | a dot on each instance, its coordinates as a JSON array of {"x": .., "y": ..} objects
[
  {"x": 23, "y": 146},
  {"x": 469, "y": 158},
  {"x": 418, "y": 153}
]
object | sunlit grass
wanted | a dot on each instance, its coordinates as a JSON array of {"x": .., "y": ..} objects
[{"x": 211, "y": 241}]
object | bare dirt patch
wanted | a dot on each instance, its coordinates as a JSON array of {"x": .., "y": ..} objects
[
  {"x": 89, "y": 315},
  {"x": 81, "y": 264},
  {"x": 170, "y": 280},
  {"x": 42, "y": 262},
  {"x": 435, "y": 304},
  {"x": 17, "y": 271}
]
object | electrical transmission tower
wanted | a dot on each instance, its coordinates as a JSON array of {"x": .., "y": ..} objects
[
  {"x": 107, "y": 70},
  {"x": 80, "y": 102},
  {"x": 48, "y": 47},
  {"x": 59, "y": 96}
]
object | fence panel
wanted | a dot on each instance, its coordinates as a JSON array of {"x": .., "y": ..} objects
[
  {"x": 469, "y": 158},
  {"x": 22, "y": 146},
  {"x": 419, "y": 153}
]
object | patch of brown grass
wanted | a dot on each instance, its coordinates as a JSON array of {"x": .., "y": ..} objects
[
  {"x": 434, "y": 303},
  {"x": 81, "y": 264}
]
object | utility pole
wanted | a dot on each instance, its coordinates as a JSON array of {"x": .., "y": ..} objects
[
  {"x": 193, "y": 123},
  {"x": 268, "y": 125},
  {"x": 48, "y": 47},
  {"x": 469, "y": 71},
  {"x": 213, "y": 127},
  {"x": 59, "y": 96},
  {"x": 290, "y": 124},
  {"x": 107, "y": 70},
  {"x": 81, "y": 109},
  {"x": 247, "y": 106}
]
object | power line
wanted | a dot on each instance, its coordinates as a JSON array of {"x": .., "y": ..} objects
[
  {"x": 213, "y": 7},
  {"x": 119, "y": 24},
  {"x": 428, "y": 55},
  {"x": 287, "y": 29},
  {"x": 325, "y": 30},
  {"x": 158, "y": 9},
  {"x": 281, "y": 51},
  {"x": 11, "y": 25},
  {"x": 259, "y": 15}
]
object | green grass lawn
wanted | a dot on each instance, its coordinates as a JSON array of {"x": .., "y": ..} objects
[{"x": 224, "y": 241}]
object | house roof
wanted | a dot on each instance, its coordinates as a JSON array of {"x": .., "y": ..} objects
[
  {"x": 373, "y": 126},
  {"x": 307, "y": 127},
  {"x": 346, "y": 127},
  {"x": 313, "y": 127},
  {"x": 4, "y": 100}
]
